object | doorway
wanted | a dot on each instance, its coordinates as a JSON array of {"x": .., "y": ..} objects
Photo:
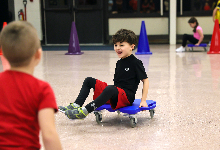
[
  {"x": 59, "y": 15},
  {"x": 4, "y": 13}
]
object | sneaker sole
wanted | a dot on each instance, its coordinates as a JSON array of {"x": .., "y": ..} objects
[
  {"x": 75, "y": 119},
  {"x": 61, "y": 111}
]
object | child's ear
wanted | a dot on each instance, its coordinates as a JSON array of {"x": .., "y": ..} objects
[
  {"x": 132, "y": 46},
  {"x": 38, "y": 53}
]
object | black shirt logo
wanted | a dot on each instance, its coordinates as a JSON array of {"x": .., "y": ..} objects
[{"x": 126, "y": 69}]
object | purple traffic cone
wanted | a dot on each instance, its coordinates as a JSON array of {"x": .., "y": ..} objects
[
  {"x": 143, "y": 44},
  {"x": 74, "y": 48}
]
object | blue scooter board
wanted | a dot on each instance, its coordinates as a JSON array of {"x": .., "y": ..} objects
[
  {"x": 204, "y": 45},
  {"x": 130, "y": 110}
]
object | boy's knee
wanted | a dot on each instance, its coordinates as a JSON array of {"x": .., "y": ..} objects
[
  {"x": 87, "y": 79},
  {"x": 110, "y": 88},
  {"x": 90, "y": 82}
]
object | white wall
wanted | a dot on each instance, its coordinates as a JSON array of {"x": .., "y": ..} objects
[
  {"x": 33, "y": 13},
  {"x": 159, "y": 26},
  {"x": 205, "y": 22},
  {"x": 154, "y": 26}
]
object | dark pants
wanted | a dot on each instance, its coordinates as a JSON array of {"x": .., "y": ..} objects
[
  {"x": 189, "y": 38},
  {"x": 110, "y": 92}
]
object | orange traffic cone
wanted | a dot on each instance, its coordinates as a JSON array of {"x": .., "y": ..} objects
[
  {"x": 4, "y": 24},
  {"x": 0, "y": 51},
  {"x": 215, "y": 42}
]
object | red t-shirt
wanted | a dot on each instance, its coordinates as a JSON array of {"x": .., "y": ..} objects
[{"x": 21, "y": 97}]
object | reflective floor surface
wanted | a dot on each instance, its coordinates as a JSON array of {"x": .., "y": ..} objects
[{"x": 185, "y": 86}]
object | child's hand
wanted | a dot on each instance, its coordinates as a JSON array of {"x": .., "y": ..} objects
[
  {"x": 143, "y": 104},
  {"x": 197, "y": 44}
]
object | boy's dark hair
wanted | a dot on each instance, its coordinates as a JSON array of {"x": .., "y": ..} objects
[
  {"x": 124, "y": 35},
  {"x": 19, "y": 42},
  {"x": 193, "y": 20}
]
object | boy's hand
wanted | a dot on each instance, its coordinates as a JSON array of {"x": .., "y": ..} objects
[
  {"x": 143, "y": 104},
  {"x": 197, "y": 44}
]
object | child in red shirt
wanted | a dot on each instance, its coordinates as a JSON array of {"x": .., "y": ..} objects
[
  {"x": 27, "y": 103},
  {"x": 207, "y": 7},
  {"x": 133, "y": 4}
]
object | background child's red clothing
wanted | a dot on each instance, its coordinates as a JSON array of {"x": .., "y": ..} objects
[
  {"x": 207, "y": 7},
  {"x": 133, "y": 4},
  {"x": 22, "y": 96}
]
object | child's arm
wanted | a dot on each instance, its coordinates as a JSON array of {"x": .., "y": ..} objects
[
  {"x": 47, "y": 126},
  {"x": 213, "y": 14},
  {"x": 144, "y": 93},
  {"x": 201, "y": 37}
]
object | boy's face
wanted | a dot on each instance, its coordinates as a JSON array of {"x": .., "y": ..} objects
[{"x": 123, "y": 49}]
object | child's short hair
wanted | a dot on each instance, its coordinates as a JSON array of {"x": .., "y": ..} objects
[
  {"x": 19, "y": 42},
  {"x": 124, "y": 35}
]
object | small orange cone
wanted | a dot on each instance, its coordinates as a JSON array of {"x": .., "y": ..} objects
[
  {"x": 215, "y": 42},
  {"x": 0, "y": 51},
  {"x": 4, "y": 24}
]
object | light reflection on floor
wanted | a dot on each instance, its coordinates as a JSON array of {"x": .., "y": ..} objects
[{"x": 185, "y": 86}]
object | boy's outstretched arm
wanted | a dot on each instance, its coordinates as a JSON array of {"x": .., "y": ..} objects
[
  {"x": 201, "y": 37},
  {"x": 213, "y": 14},
  {"x": 48, "y": 129},
  {"x": 144, "y": 93}
]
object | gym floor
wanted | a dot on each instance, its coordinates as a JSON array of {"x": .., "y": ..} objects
[{"x": 185, "y": 86}]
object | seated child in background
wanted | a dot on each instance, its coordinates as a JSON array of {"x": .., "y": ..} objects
[
  {"x": 119, "y": 5},
  {"x": 133, "y": 4},
  {"x": 196, "y": 38},
  {"x": 207, "y": 7},
  {"x": 148, "y": 6},
  {"x": 27, "y": 103},
  {"x": 151, "y": 6},
  {"x": 145, "y": 6},
  {"x": 128, "y": 73}
]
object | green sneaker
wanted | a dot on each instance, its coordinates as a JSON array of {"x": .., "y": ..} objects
[
  {"x": 76, "y": 113},
  {"x": 69, "y": 107}
]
